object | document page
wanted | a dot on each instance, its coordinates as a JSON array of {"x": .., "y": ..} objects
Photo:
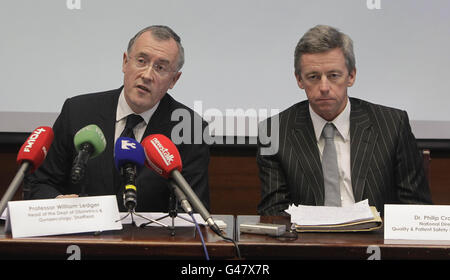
[{"x": 327, "y": 215}]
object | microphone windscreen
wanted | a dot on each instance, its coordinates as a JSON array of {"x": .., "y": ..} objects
[
  {"x": 128, "y": 150},
  {"x": 36, "y": 147},
  {"x": 162, "y": 154},
  {"x": 90, "y": 134}
]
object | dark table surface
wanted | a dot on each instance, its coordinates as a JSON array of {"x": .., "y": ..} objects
[
  {"x": 350, "y": 245},
  {"x": 130, "y": 242}
]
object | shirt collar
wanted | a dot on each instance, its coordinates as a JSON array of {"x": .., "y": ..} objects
[
  {"x": 123, "y": 110},
  {"x": 341, "y": 122}
]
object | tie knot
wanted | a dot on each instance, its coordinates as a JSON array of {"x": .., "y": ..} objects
[
  {"x": 132, "y": 121},
  {"x": 328, "y": 131}
]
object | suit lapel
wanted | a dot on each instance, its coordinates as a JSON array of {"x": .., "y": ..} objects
[
  {"x": 160, "y": 120},
  {"x": 363, "y": 139},
  {"x": 304, "y": 145},
  {"x": 107, "y": 113}
]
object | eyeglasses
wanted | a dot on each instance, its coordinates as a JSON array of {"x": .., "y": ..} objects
[{"x": 142, "y": 62}]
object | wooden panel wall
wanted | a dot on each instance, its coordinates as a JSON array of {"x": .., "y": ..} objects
[
  {"x": 234, "y": 183},
  {"x": 234, "y": 179},
  {"x": 440, "y": 180},
  {"x": 8, "y": 168}
]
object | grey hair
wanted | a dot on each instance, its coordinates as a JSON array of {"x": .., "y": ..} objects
[
  {"x": 322, "y": 38},
  {"x": 163, "y": 33}
]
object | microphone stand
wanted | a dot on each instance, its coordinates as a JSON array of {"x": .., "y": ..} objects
[
  {"x": 82, "y": 186},
  {"x": 172, "y": 213},
  {"x": 131, "y": 179},
  {"x": 15, "y": 184},
  {"x": 132, "y": 212}
]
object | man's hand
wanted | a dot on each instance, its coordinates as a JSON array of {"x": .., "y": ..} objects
[{"x": 67, "y": 196}]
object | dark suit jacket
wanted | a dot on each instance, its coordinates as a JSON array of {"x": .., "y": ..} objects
[
  {"x": 101, "y": 178},
  {"x": 386, "y": 165}
]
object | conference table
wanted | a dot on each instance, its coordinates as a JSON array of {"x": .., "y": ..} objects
[
  {"x": 334, "y": 245},
  {"x": 132, "y": 242},
  {"x": 158, "y": 243}
]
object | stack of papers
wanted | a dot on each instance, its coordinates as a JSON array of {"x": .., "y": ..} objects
[{"x": 357, "y": 217}]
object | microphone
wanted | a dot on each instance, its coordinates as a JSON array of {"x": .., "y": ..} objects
[
  {"x": 181, "y": 197},
  {"x": 129, "y": 158},
  {"x": 163, "y": 157},
  {"x": 89, "y": 142},
  {"x": 31, "y": 155}
]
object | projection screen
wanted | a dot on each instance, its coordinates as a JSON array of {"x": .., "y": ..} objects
[{"x": 239, "y": 55}]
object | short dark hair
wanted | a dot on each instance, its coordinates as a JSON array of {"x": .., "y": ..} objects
[{"x": 161, "y": 32}]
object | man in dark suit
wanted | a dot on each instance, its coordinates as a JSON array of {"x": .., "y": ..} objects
[
  {"x": 368, "y": 153},
  {"x": 151, "y": 66}
]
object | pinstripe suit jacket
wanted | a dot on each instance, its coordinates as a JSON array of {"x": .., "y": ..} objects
[{"x": 386, "y": 165}]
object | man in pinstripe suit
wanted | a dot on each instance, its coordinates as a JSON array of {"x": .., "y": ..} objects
[{"x": 377, "y": 154}]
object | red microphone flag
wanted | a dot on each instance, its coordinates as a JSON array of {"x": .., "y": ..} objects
[
  {"x": 36, "y": 147},
  {"x": 162, "y": 154}
]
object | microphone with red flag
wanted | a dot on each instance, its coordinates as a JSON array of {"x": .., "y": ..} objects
[
  {"x": 163, "y": 157},
  {"x": 35, "y": 148},
  {"x": 30, "y": 157}
]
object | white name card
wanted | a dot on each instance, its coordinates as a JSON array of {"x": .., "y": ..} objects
[
  {"x": 417, "y": 222},
  {"x": 44, "y": 217}
]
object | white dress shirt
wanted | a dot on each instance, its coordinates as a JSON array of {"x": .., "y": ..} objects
[
  {"x": 123, "y": 110},
  {"x": 342, "y": 143}
]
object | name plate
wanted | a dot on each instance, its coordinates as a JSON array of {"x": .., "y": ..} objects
[
  {"x": 417, "y": 222},
  {"x": 45, "y": 217}
]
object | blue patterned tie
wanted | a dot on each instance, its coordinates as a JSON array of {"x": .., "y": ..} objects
[{"x": 330, "y": 168}]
